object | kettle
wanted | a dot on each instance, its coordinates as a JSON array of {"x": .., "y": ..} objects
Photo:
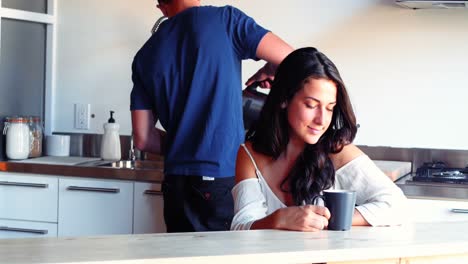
[{"x": 252, "y": 103}]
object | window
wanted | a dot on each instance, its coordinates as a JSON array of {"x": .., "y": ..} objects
[
  {"x": 27, "y": 29},
  {"x": 22, "y": 68},
  {"x": 38, "y": 6}
]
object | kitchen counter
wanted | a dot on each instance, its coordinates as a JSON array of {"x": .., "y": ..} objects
[
  {"x": 439, "y": 242},
  {"x": 151, "y": 173}
]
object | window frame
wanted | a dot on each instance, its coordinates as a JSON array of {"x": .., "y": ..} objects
[{"x": 50, "y": 20}]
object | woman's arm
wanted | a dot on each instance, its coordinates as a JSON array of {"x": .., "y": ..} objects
[
  {"x": 249, "y": 201},
  {"x": 251, "y": 208},
  {"x": 298, "y": 218},
  {"x": 251, "y": 212},
  {"x": 359, "y": 220},
  {"x": 379, "y": 201},
  {"x": 349, "y": 153}
]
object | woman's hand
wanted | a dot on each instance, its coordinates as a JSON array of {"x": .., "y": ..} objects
[{"x": 302, "y": 218}]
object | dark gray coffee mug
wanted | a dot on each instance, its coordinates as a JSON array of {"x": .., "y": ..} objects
[{"x": 340, "y": 203}]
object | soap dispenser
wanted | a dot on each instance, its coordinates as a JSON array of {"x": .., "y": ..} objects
[{"x": 110, "y": 144}]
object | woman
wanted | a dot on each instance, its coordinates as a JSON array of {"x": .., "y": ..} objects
[{"x": 303, "y": 135}]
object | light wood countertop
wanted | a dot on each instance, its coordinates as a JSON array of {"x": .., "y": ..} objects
[{"x": 379, "y": 244}]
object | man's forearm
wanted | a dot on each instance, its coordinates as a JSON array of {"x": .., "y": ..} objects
[
  {"x": 155, "y": 142},
  {"x": 145, "y": 134}
]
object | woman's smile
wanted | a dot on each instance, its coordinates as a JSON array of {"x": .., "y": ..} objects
[
  {"x": 315, "y": 131},
  {"x": 310, "y": 111}
]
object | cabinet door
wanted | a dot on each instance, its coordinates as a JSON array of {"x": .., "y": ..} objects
[
  {"x": 94, "y": 207},
  {"x": 148, "y": 209},
  {"x": 23, "y": 229},
  {"x": 28, "y": 197},
  {"x": 426, "y": 210}
]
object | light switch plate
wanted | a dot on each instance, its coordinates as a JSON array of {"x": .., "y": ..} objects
[{"x": 82, "y": 116}]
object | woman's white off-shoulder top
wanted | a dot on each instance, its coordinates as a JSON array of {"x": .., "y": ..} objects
[{"x": 378, "y": 199}]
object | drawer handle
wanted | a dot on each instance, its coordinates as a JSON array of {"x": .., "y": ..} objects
[
  {"x": 460, "y": 210},
  {"x": 24, "y": 230},
  {"x": 93, "y": 189},
  {"x": 24, "y": 184},
  {"x": 153, "y": 192}
]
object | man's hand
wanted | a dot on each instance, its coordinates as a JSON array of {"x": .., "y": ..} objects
[{"x": 264, "y": 76}]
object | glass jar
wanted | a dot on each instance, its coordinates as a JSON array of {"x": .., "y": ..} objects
[
  {"x": 36, "y": 136},
  {"x": 17, "y": 137}
]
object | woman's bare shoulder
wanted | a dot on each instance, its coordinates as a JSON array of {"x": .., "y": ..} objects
[
  {"x": 245, "y": 168},
  {"x": 347, "y": 154}
]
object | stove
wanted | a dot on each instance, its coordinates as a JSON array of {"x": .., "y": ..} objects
[
  {"x": 437, "y": 180},
  {"x": 439, "y": 172}
]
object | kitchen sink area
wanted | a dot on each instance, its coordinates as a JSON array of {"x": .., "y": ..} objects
[
  {"x": 125, "y": 164},
  {"x": 89, "y": 167},
  {"x": 84, "y": 161}
]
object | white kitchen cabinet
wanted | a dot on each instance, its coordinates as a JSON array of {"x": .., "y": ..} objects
[
  {"x": 24, "y": 229},
  {"x": 28, "y": 205},
  {"x": 148, "y": 206},
  {"x": 94, "y": 207},
  {"x": 430, "y": 210},
  {"x": 26, "y": 197}
]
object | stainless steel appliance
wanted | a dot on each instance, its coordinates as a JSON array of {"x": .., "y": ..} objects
[
  {"x": 435, "y": 179},
  {"x": 438, "y": 172},
  {"x": 432, "y": 4}
]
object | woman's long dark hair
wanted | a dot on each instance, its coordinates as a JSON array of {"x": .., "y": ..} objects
[{"x": 313, "y": 170}]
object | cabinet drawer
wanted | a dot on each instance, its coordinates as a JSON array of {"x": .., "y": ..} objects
[
  {"x": 148, "y": 209},
  {"x": 22, "y": 229},
  {"x": 95, "y": 207},
  {"x": 26, "y": 197}
]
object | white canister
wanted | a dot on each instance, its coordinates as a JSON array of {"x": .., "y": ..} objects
[
  {"x": 58, "y": 145},
  {"x": 17, "y": 137}
]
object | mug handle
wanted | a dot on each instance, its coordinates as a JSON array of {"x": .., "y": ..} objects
[{"x": 314, "y": 200}]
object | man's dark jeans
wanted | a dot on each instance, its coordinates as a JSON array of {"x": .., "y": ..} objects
[{"x": 194, "y": 204}]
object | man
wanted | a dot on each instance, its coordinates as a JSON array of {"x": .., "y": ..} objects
[{"x": 188, "y": 76}]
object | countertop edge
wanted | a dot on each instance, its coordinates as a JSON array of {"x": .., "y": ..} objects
[
  {"x": 275, "y": 246},
  {"x": 147, "y": 175}
]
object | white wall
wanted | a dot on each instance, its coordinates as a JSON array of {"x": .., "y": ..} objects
[{"x": 404, "y": 68}]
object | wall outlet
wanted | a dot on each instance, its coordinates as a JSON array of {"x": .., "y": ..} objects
[{"x": 82, "y": 116}]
